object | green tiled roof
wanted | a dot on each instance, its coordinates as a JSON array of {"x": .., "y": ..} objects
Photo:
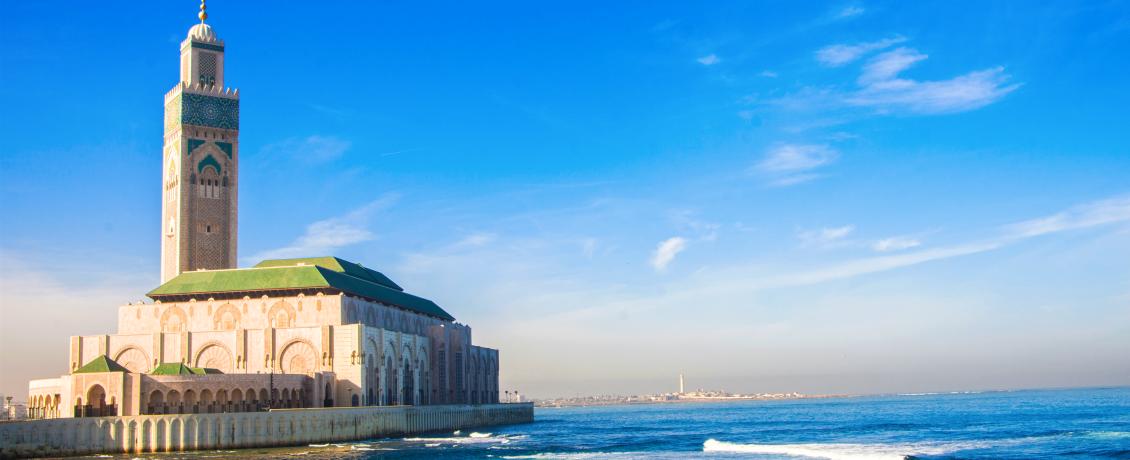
[
  {"x": 337, "y": 265},
  {"x": 274, "y": 275},
  {"x": 102, "y": 363},
  {"x": 181, "y": 369}
]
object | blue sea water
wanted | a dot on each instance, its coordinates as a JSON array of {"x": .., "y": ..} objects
[{"x": 1076, "y": 424}]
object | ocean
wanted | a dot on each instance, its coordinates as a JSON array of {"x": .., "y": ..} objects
[{"x": 1031, "y": 424}]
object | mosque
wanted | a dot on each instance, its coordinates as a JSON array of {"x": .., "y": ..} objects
[{"x": 287, "y": 333}]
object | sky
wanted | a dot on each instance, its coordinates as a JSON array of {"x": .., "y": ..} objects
[{"x": 855, "y": 197}]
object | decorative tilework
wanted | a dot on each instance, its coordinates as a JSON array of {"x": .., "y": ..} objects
[
  {"x": 193, "y": 144},
  {"x": 226, "y": 147},
  {"x": 206, "y": 46},
  {"x": 208, "y": 161},
  {"x": 172, "y": 114},
  {"x": 211, "y": 111}
]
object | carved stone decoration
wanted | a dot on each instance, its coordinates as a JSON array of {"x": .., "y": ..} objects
[
  {"x": 299, "y": 358},
  {"x": 215, "y": 356},
  {"x": 133, "y": 359}
]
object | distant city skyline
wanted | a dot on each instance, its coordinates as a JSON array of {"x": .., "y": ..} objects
[{"x": 866, "y": 197}]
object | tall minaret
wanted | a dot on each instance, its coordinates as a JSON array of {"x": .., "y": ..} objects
[{"x": 201, "y": 160}]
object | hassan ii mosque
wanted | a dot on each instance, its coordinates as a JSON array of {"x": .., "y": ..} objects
[{"x": 288, "y": 333}]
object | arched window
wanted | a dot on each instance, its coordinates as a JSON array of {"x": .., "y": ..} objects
[{"x": 209, "y": 182}]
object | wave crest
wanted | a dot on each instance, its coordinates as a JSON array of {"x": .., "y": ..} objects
[{"x": 825, "y": 451}]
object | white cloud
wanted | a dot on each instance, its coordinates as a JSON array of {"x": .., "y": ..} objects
[
  {"x": 476, "y": 240},
  {"x": 895, "y": 243},
  {"x": 838, "y": 55},
  {"x": 311, "y": 149},
  {"x": 791, "y": 164},
  {"x": 1101, "y": 212},
  {"x": 768, "y": 74},
  {"x": 794, "y": 179},
  {"x": 709, "y": 60},
  {"x": 881, "y": 87},
  {"x": 886, "y": 65},
  {"x": 850, "y": 12},
  {"x": 325, "y": 236},
  {"x": 666, "y": 251},
  {"x": 824, "y": 236},
  {"x": 797, "y": 157}
]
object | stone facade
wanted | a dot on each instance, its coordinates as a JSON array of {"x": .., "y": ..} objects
[{"x": 173, "y": 433}]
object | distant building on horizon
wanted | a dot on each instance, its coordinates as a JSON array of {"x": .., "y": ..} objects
[{"x": 286, "y": 333}]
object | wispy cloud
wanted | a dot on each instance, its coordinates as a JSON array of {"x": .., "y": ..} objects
[
  {"x": 840, "y": 54},
  {"x": 895, "y": 243},
  {"x": 709, "y": 60},
  {"x": 850, "y": 11},
  {"x": 666, "y": 251},
  {"x": 768, "y": 74},
  {"x": 588, "y": 247},
  {"x": 1111, "y": 210},
  {"x": 882, "y": 88},
  {"x": 743, "y": 279},
  {"x": 310, "y": 149},
  {"x": 325, "y": 236},
  {"x": 476, "y": 240},
  {"x": 790, "y": 164},
  {"x": 824, "y": 236},
  {"x": 797, "y": 157}
]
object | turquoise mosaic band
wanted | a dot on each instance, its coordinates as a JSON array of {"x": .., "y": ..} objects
[{"x": 210, "y": 111}]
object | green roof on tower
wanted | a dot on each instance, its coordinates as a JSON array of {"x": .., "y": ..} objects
[{"x": 317, "y": 273}]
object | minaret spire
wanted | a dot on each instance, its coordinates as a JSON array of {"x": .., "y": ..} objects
[{"x": 203, "y": 12}]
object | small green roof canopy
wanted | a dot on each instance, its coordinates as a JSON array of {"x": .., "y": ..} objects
[
  {"x": 322, "y": 273},
  {"x": 102, "y": 363},
  {"x": 181, "y": 369}
]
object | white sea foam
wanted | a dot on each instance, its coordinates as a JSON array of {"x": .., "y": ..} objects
[
  {"x": 940, "y": 393},
  {"x": 841, "y": 451},
  {"x": 473, "y": 438},
  {"x": 599, "y": 455}
]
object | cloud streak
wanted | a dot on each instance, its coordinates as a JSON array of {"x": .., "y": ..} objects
[
  {"x": 841, "y": 54},
  {"x": 824, "y": 236},
  {"x": 791, "y": 164},
  {"x": 309, "y": 149},
  {"x": 881, "y": 87},
  {"x": 326, "y": 236},
  {"x": 666, "y": 251},
  {"x": 708, "y": 60},
  {"x": 895, "y": 243}
]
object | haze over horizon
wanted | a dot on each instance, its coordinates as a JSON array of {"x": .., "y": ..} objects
[{"x": 872, "y": 197}]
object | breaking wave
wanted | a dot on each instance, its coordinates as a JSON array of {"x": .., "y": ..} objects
[{"x": 836, "y": 451}]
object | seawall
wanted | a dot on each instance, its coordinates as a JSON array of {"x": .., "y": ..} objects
[{"x": 286, "y": 427}]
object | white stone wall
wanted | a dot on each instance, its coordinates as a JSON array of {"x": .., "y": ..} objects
[{"x": 173, "y": 433}]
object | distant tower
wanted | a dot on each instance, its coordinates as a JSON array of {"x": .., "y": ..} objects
[
  {"x": 681, "y": 384},
  {"x": 201, "y": 160}
]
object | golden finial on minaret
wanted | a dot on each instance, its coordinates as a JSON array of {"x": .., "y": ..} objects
[{"x": 203, "y": 12}]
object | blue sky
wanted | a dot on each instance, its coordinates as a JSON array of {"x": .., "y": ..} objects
[{"x": 836, "y": 197}]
